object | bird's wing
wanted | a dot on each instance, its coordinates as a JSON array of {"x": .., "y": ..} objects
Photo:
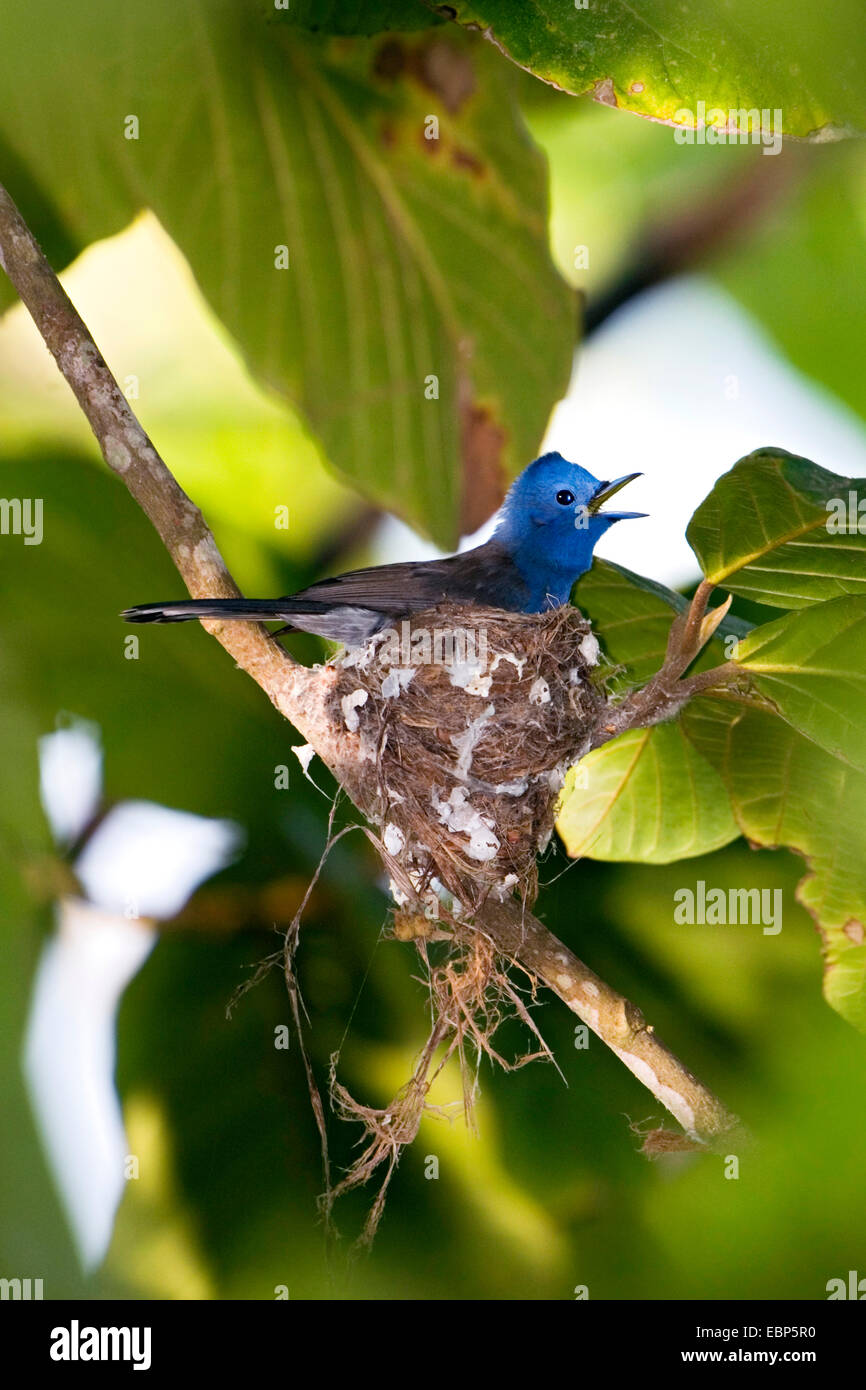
[
  {"x": 353, "y": 606},
  {"x": 382, "y": 588},
  {"x": 414, "y": 585}
]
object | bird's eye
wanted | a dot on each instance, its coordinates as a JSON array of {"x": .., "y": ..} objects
[{"x": 564, "y": 497}]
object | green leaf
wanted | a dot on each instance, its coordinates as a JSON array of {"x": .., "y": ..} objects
[
  {"x": 44, "y": 218},
  {"x": 785, "y": 791},
  {"x": 763, "y": 532},
  {"x": 812, "y": 665},
  {"x": 632, "y": 617},
  {"x": 647, "y": 796},
  {"x": 402, "y": 250},
  {"x": 661, "y": 58},
  {"x": 227, "y": 439}
]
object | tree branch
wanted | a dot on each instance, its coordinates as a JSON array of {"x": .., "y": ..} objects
[
  {"x": 665, "y": 694},
  {"x": 617, "y": 1022},
  {"x": 303, "y": 695},
  {"x": 129, "y": 452}
]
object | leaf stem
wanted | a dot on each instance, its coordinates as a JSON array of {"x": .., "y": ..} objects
[{"x": 665, "y": 694}]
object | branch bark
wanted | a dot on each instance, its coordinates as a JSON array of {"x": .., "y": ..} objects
[
  {"x": 665, "y": 694},
  {"x": 302, "y": 696},
  {"x": 618, "y": 1023}
]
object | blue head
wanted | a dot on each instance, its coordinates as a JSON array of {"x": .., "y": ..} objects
[{"x": 550, "y": 522}]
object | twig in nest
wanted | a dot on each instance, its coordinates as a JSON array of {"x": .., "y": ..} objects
[{"x": 665, "y": 694}]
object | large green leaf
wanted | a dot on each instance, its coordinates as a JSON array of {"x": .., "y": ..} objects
[
  {"x": 812, "y": 665},
  {"x": 408, "y": 258},
  {"x": 227, "y": 440},
  {"x": 662, "y": 57},
  {"x": 632, "y": 617},
  {"x": 611, "y": 806},
  {"x": 763, "y": 532},
  {"x": 785, "y": 791},
  {"x": 647, "y": 796},
  {"x": 44, "y": 218}
]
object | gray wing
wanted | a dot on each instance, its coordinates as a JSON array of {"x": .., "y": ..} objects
[
  {"x": 476, "y": 576},
  {"x": 351, "y": 607}
]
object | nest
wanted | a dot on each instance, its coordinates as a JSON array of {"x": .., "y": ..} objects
[{"x": 470, "y": 718}]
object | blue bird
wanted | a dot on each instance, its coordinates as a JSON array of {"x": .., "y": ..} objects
[{"x": 547, "y": 529}]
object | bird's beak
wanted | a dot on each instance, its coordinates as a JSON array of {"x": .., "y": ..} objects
[{"x": 606, "y": 490}]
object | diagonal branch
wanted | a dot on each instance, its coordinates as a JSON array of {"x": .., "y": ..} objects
[
  {"x": 617, "y": 1022},
  {"x": 303, "y": 696},
  {"x": 127, "y": 449}
]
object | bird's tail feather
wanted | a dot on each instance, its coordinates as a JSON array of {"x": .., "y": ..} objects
[{"x": 239, "y": 609}]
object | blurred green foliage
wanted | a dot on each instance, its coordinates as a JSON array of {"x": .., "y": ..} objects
[{"x": 355, "y": 213}]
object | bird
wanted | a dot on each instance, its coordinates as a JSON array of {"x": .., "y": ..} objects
[{"x": 545, "y": 534}]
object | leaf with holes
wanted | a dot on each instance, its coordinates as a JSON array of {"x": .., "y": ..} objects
[
  {"x": 367, "y": 217},
  {"x": 782, "y": 531},
  {"x": 647, "y": 796}
]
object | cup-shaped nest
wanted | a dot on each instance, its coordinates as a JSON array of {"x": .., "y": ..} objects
[{"x": 468, "y": 719}]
